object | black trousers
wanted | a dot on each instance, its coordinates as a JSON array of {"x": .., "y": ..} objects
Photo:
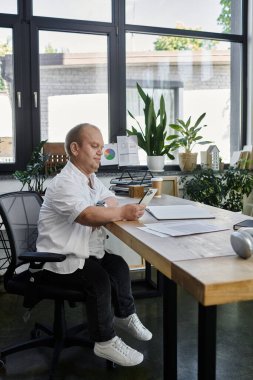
[{"x": 104, "y": 282}]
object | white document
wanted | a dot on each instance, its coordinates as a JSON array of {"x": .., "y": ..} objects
[
  {"x": 110, "y": 155},
  {"x": 179, "y": 212},
  {"x": 128, "y": 150},
  {"x": 184, "y": 228},
  {"x": 153, "y": 232}
]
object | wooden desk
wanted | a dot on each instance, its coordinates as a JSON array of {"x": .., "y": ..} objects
[{"x": 203, "y": 264}]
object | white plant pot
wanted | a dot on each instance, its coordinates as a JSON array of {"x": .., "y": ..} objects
[{"x": 155, "y": 163}]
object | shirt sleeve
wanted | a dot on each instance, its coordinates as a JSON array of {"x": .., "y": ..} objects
[
  {"x": 69, "y": 199},
  {"x": 103, "y": 191}
]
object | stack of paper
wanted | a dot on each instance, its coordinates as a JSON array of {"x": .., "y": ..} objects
[{"x": 180, "y": 228}]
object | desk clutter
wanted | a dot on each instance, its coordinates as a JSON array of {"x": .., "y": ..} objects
[{"x": 132, "y": 182}]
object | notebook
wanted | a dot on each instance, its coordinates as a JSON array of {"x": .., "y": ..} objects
[{"x": 179, "y": 212}]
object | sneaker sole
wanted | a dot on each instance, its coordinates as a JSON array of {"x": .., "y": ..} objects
[{"x": 102, "y": 355}]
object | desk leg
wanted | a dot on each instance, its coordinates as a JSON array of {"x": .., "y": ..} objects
[
  {"x": 147, "y": 271},
  {"x": 169, "y": 329},
  {"x": 147, "y": 287},
  {"x": 207, "y": 342}
]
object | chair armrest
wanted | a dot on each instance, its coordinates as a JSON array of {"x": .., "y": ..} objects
[{"x": 41, "y": 257}]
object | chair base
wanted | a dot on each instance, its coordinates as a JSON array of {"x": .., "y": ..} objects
[
  {"x": 46, "y": 341},
  {"x": 57, "y": 338}
]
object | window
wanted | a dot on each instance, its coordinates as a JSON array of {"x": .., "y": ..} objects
[
  {"x": 201, "y": 75},
  {"x": 9, "y": 6},
  {"x": 95, "y": 10},
  {"x": 73, "y": 83},
  {"x": 210, "y": 15},
  {"x": 7, "y": 131},
  {"x": 80, "y": 63}
]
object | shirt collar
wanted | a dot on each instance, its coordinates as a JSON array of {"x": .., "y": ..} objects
[{"x": 81, "y": 174}]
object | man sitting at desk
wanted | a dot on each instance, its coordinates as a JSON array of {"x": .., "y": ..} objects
[{"x": 69, "y": 223}]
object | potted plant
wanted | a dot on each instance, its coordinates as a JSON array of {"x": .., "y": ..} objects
[
  {"x": 221, "y": 164},
  {"x": 225, "y": 190},
  {"x": 34, "y": 176},
  {"x": 153, "y": 136},
  {"x": 188, "y": 136}
]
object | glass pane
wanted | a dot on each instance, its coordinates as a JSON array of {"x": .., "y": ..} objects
[
  {"x": 209, "y": 15},
  {"x": 9, "y": 6},
  {"x": 193, "y": 82},
  {"x": 7, "y": 134},
  {"x": 95, "y": 10},
  {"x": 73, "y": 83}
]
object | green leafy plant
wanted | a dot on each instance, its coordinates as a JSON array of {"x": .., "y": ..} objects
[
  {"x": 188, "y": 135},
  {"x": 224, "y": 18},
  {"x": 34, "y": 176},
  {"x": 223, "y": 189},
  {"x": 152, "y": 138},
  {"x": 180, "y": 43}
]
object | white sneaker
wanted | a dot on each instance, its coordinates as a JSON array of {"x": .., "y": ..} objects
[
  {"x": 118, "y": 352},
  {"x": 133, "y": 325}
]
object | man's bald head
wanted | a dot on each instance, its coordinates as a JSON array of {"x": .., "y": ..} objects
[{"x": 76, "y": 135}]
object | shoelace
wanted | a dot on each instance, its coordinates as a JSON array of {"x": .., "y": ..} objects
[
  {"x": 121, "y": 347},
  {"x": 136, "y": 322}
]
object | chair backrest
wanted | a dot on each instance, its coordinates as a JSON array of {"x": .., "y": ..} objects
[
  {"x": 57, "y": 157},
  {"x": 20, "y": 213}
]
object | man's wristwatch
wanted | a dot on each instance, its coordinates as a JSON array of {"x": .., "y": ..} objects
[{"x": 101, "y": 204}]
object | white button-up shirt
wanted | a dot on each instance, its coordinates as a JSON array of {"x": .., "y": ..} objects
[{"x": 67, "y": 195}]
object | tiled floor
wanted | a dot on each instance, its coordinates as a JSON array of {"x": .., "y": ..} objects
[{"x": 234, "y": 343}]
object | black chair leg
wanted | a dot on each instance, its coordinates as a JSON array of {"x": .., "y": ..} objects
[
  {"x": 56, "y": 355},
  {"x": 77, "y": 329},
  {"x": 43, "y": 328}
]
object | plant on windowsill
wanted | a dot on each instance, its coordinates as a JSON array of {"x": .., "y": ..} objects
[
  {"x": 152, "y": 138},
  {"x": 188, "y": 137},
  {"x": 34, "y": 175},
  {"x": 225, "y": 189},
  {"x": 221, "y": 164}
]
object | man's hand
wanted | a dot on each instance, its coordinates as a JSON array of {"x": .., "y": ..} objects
[
  {"x": 132, "y": 211},
  {"x": 98, "y": 216}
]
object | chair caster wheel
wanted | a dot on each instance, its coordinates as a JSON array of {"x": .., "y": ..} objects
[
  {"x": 2, "y": 364},
  {"x": 35, "y": 333},
  {"x": 110, "y": 365}
]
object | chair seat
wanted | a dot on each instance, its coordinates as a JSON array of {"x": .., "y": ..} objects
[{"x": 21, "y": 284}]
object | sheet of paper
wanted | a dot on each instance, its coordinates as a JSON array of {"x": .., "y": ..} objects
[
  {"x": 128, "y": 150},
  {"x": 185, "y": 228},
  {"x": 153, "y": 232},
  {"x": 110, "y": 155}
]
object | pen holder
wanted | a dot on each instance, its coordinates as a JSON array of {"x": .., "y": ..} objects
[{"x": 136, "y": 191}]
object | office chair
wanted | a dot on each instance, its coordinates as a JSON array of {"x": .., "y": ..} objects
[{"x": 19, "y": 212}]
